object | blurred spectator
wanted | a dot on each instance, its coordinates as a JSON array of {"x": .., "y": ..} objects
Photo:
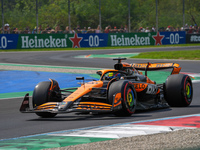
[
  {"x": 57, "y": 29},
  {"x": 13, "y": 31},
  {"x": 48, "y": 28},
  {"x": 162, "y": 29},
  {"x": 52, "y": 31},
  {"x": 141, "y": 29},
  {"x": 147, "y": 29},
  {"x": 17, "y": 31},
  {"x": 98, "y": 30},
  {"x": 182, "y": 29},
  {"x": 74, "y": 30},
  {"x": 44, "y": 32},
  {"x": 34, "y": 31},
  {"x": 115, "y": 30},
  {"x": 178, "y": 29},
  {"x": 191, "y": 29},
  {"x": 121, "y": 29},
  {"x": 198, "y": 30},
  {"x": 66, "y": 31},
  {"x": 40, "y": 29},
  {"x": 153, "y": 29},
  {"x": 6, "y": 29},
  {"x": 106, "y": 30},
  {"x": 168, "y": 28},
  {"x": 126, "y": 29},
  {"x": 186, "y": 27},
  {"x": 173, "y": 29},
  {"x": 195, "y": 27},
  {"x": 110, "y": 29},
  {"x": 27, "y": 30},
  {"x": 89, "y": 30},
  {"x": 84, "y": 31},
  {"x": 78, "y": 29}
]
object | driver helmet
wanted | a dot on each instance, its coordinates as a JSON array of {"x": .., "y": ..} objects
[
  {"x": 113, "y": 75},
  {"x": 110, "y": 74}
]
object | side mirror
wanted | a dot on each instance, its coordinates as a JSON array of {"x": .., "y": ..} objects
[{"x": 99, "y": 73}]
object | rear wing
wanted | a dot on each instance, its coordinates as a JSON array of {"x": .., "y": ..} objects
[{"x": 157, "y": 66}]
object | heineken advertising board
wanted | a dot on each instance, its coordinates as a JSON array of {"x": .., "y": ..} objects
[
  {"x": 152, "y": 38},
  {"x": 28, "y": 41},
  {"x": 62, "y": 40},
  {"x": 130, "y": 39}
]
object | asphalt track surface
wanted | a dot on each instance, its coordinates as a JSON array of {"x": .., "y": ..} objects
[{"x": 15, "y": 124}]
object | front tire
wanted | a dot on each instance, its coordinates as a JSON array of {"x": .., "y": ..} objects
[
  {"x": 128, "y": 97},
  {"x": 41, "y": 95},
  {"x": 178, "y": 90}
]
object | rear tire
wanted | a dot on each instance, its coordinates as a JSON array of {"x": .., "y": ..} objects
[
  {"x": 41, "y": 95},
  {"x": 178, "y": 90},
  {"x": 128, "y": 97}
]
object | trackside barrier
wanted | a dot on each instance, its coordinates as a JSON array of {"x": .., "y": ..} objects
[
  {"x": 193, "y": 38},
  {"x": 28, "y": 41},
  {"x": 8, "y": 41}
]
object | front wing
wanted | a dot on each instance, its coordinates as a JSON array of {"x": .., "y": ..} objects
[
  {"x": 97, "y": 107},
  {"x": 67, "y": 107}
]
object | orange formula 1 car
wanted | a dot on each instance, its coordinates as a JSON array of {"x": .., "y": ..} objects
[{"x": 120, "y": 91}]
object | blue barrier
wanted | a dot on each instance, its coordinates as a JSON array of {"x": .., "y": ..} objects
[
  {"x": 173, "y": 37},
  {"x": 8, "y": 41},
  {"x": 94, "y": 40}
]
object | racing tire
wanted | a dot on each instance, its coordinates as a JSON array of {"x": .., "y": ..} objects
[
  {"x": 41, "y": 95},
  {"x": 128, "y": 97},
  {"x": 178, "y": 90}
]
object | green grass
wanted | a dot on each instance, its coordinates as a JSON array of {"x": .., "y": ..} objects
[
  {"x": 96, "y": 48},
  {"x": 188, "y": 55}
]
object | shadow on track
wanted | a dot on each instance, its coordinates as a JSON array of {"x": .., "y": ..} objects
[{"x": 99, "y": 116}]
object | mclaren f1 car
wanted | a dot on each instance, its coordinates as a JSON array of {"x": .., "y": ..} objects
[{"x": 120, "y": 91}]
